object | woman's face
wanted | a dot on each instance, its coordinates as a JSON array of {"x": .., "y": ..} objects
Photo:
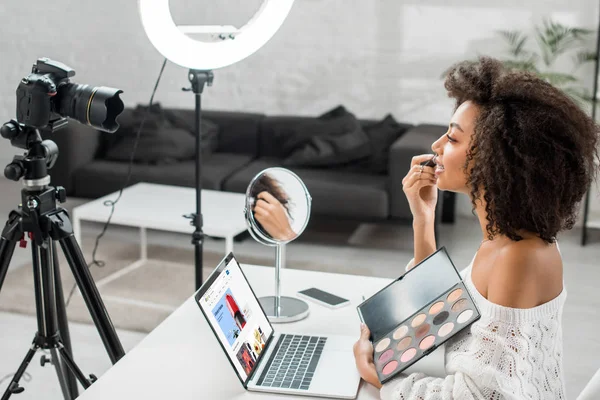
[{"x": 452, "y": 149}]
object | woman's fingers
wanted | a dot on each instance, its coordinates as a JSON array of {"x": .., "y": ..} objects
[
  {"x": 268, "y": 197},
  {"x": 260, "y": 210},
  {"x": 416, "y": 160},
  {"x": 424, "y": 179},
  {"x": 261, "y": 203},
  {"x": 415, "y": 173},
  {"x": 417, "y": 169},
  {"x": 364, "y": 332}
]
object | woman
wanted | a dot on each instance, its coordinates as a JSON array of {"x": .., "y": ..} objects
[{"x": 524, "y": 153}]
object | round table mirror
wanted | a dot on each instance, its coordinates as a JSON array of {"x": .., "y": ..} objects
[{"x": 277, "y": 211}]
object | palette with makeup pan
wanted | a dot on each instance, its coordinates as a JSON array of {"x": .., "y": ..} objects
[{"x": 416, "y": 313}]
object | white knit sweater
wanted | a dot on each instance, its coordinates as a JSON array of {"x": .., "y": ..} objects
[{"x": 508, "y": 353}]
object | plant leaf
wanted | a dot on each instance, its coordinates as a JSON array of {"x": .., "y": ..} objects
[
  {"x": 516, "y": 41},
  {"x": 555, "y": 39},
  {"x": 580, "y": 33},
  {"x": 583, "y": 57}
]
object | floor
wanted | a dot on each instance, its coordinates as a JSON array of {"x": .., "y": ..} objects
[{"x": 384, "y": 248}]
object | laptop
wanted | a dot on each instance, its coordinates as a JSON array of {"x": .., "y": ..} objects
[{"x": 268, "y": 361}]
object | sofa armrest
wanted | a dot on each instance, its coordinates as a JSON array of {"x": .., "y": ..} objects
[
  {"x": 417, "y": 140},
  {"x": 77, "y": 146}
]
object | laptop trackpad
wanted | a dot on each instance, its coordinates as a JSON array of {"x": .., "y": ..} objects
[{"x": 336, "y": 372}]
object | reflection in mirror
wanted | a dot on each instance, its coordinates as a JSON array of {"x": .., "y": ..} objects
[
  {"x": 280, "y": 205},
  {"x": 277, "y": 211}
]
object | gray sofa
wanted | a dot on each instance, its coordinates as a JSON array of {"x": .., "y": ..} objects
[{"x": 246, "y": 146}]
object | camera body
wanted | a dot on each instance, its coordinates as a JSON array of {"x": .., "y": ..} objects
[
  {"x": 36, "y": 95},
  {"x": 46, "y": 97}
]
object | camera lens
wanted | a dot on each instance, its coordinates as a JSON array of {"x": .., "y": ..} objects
[{"x": 97, "y": 106}]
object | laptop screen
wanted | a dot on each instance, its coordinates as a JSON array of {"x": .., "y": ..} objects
[{"x": 235, "y": 315}]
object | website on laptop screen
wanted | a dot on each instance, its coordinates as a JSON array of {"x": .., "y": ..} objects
[{"x": 236, "y": 316}]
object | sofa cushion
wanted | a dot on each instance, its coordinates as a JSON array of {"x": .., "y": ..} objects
[
  {"x": 164, "y": 138},
  {"x": 331, "y": 150},
  {"x": 100, "y": 177},
  {"x": 238, "y": 131},
  {"x": 381, "y": 137},
  {"x": 282, "y": 135},
  {"x": 334, "y": 192}
]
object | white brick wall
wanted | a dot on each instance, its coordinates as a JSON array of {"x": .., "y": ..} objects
[{"x": 374, "y": 57}]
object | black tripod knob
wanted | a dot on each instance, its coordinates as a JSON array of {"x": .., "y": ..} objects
[
  {"x": 61, "y": 194},
  {"x": 44, "y": 360},
  {"x": 14, "y": 388},
  {"x": 9, "y": 130},
  {"x": 14, "y": 171}
]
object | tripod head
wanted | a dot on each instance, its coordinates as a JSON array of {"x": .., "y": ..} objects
[{"x": 39, "y": 157}]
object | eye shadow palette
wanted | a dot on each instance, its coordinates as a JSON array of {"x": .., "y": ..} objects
[{"x": 416, "y": 313}]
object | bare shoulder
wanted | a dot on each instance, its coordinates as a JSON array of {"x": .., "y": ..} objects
[{"x": 525, "y": 275}]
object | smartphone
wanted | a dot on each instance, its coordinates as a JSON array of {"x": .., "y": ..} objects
[{"x": 324, "y": 298}]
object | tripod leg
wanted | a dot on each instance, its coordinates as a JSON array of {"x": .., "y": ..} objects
[
  {"x": 66, "y": 358},
  {"x": 61, "y": 373},
  {"x": 13, "y": 386},
  {"x": 90, "y": 294},
  {"x": 39, "y": 291},
  {"x": 10, "y": 234},
  {"x": 63, "y": 323},
  {"x": 7, "y": 249}
]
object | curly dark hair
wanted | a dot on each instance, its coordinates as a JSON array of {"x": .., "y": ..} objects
[{"x": 532, "y": 149}]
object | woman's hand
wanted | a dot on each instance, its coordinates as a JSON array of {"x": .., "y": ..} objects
[
  {"x": 363, "y": 357},
  {"x": 420, "y": 188},
  {"x": 271, "y": 214}
]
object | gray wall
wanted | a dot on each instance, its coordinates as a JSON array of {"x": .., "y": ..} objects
[{"x": 373, "y": 56}]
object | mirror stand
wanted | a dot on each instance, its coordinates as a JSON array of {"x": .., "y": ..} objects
[{"x": 280, "y": 308}]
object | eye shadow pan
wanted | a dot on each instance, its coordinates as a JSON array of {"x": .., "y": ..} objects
[
  {"x": 400, "y": 332},
  {"x": 390, "y": 367},
  {"x": 464, "y": 316},
  {"x": 408, "y": 355},
  {"x": 422, "y": 331},
  {"x": 456, "y": 293},
  {"x": 459, "y": 305},
  {"x": 427, "y": 342},
  {"x": 419, "y": 319},
  {"x": 446, "y": 329},
  {"x": 440, "y": 318},
  {"x": 404, "y": 343},
  {"x": 382, "y": 345},
  {"x": 436, "y": 308},
  {"x": 386, "y": 356}
]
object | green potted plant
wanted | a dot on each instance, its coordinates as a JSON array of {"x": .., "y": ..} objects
[{"x": 554, "y": 41}]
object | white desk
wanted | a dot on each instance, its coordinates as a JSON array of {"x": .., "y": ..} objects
[{"x": 182, "y": 359}]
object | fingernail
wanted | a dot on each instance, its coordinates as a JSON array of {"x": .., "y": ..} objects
[{"x": 362, "y": 326}]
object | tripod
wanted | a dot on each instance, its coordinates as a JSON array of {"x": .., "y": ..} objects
[{"x": 45, "y": 224}]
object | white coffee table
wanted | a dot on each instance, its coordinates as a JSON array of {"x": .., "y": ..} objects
[{"x": 161, "y": 207}]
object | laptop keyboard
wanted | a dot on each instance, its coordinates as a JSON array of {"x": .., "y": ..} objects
[{"x": 293, "y": 363}]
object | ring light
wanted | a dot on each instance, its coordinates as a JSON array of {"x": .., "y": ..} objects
[{"x": 234, "y": 44}]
